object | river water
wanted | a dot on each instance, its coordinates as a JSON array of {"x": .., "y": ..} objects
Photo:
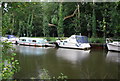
[{"x": 75, "y": 64}]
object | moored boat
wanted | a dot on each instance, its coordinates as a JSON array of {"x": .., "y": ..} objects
[
  {"x": 3, "y": 39},
  {"x": 32, "y": 41},
  {"x": 75, "y": 41},
  {"x": 113, "y": 45},
  {"x": 12, "y": 39}
]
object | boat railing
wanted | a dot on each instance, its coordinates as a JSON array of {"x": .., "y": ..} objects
[{"x": 110, "y": 40}]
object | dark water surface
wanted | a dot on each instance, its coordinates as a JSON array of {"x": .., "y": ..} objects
[{"x": 76, "y": 64}]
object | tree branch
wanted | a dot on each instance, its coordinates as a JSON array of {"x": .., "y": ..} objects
[{"x": 70, "y": 15}]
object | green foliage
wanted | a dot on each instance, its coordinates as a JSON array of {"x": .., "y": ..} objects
[
  {"x": 54, "y": 19},
  {"x": 9, "y": 63},
  {"x": 94, "y": 22},
  {"x": 96, "y": 40},
  {"x": 45, "y": 75},
  {"x": 45, "y": 27},
  {"x": 50, "y": 38},
  {"x": 60, "y": 21},
  {"x": 61, "y": 76},
  {"x": 32, "y": 19}
]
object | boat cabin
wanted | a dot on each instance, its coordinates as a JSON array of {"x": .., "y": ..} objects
[
  {"x": 81, "y": 39},
  {"x": 10, "y": 36},
  {"x": 32, "y": 41},
  {"x": 77, "y": 39}
]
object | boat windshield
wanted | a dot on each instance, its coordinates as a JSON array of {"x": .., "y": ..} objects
[
  {"x": 42, "y": 41},
  {"x": 81, "y": 39}
]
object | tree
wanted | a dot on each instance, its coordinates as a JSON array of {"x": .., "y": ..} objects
[
  {"x": 94, "y": 34},
  {"x": 60, "y": 21}
]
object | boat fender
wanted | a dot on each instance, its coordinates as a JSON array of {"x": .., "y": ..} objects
[
  {"x": 59, "y": 43},
  {"x": 63, "y": 43}
]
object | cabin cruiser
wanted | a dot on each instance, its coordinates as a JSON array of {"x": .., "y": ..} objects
[
  {"x": 113, "y": 45},
  {"x": 32, "y": 41},
  {"x": 10, "y": 38},
  {"x": 75, "y": 41},
  {"x": 3, "y": 39}
]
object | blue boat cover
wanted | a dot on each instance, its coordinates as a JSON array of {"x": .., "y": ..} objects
[
  {"x": 11, "y": 36},
  {"x": 81, "y": 39}
]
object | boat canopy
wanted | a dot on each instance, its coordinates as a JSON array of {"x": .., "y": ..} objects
[
  {"x": 81, "y": 39},
  {"x": 10, "y": 36}
]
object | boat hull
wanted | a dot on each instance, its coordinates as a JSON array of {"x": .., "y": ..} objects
[
  {"x": 37, "y": 45},
  {"x": 113, "y": 47},
  {"x": 30, "y": 44},
  {"x": 76, "y": 46}
]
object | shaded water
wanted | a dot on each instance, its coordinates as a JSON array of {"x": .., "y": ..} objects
[{"x": 76, "y": 64}]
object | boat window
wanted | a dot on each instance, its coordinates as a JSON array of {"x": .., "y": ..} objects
[
  {"x": 33, "y": 40},
  {"x": 82, "y": 39},
  {"x": 41, "y": 41},
  {"x": 23, "y": 39},
  {"x": 65, "y": 41},
  {"x": 29, "y": 40}
]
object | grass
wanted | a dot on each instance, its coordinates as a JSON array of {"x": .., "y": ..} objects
[{"x": 96, "y": 40}]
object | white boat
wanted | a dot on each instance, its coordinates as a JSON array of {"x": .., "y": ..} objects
[
  {"x": 13, "y": 40},
  {"x": 3, "y": 39},
  {"x": 114, "y": 46},
  {"x": 9, "y": 38},
  {"x": 75, "y": 41},
  {"x": 32, "y": 41}
]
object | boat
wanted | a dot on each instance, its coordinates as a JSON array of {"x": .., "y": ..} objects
[
  {"x": 33, "y": 41},
  {"x": 2, "y": 39},
  {"x": 75, "y": 41},
  {"x": 113, "y": 45},
  {"x": 9, "y": 38},
  {"x": 12, "y": 39}
]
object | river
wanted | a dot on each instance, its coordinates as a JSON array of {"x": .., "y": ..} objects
[{"x": 75, "y": 64}]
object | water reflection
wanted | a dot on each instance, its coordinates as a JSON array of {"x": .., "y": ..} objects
[
  {"x": 73, "y": 55},
  {"x": 31, "y": 50},
  {"x": 113, "y": 56},
  {"x": 76, "y": 64}
]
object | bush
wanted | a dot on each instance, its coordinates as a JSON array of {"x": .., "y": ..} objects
[
  {"x": 9, "y": 63},
  {"x": 96, "y": 40}
]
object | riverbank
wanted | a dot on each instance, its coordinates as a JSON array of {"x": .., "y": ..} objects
[{"x": 91, "y": 40}]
